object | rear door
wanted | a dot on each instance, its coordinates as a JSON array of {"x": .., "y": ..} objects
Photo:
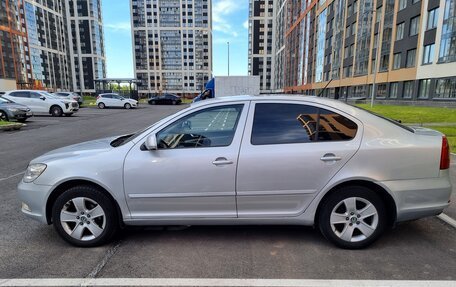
[
  {"x": 288, "y": 154},
  {"x": 20, "y": 97}
]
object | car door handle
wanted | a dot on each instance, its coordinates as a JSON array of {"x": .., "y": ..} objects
[
  {"x": 330, "y": 157},
  {"x": 221, "y": 161}
]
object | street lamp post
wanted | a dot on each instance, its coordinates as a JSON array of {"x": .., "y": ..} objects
[
  {"x": 377, "y": 58},
  {"x": 228, "y": 44}
]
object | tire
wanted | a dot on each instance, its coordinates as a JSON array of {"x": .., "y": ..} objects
[
  {"x": 3, "y": 116},
  {"x": 101, "y": 105},
  {"x": 153, "y": 103},
  {"x": 127, "y": 106},
  {"x": 89, "y": 230},
  {"x": 68, "y": 115},
  {"x": 352, "y": 217},
  {"x": 56, "y": 111},
  {"x": 174, "y": 103}
]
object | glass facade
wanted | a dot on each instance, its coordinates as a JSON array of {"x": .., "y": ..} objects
[
  {"x": 321, "y": 34},
  {"x": 48, "y": 47}
]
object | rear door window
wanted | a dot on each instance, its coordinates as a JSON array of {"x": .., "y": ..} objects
[
  {"x": 20, "y": 94},
  {"x": 294, "y": 123}
]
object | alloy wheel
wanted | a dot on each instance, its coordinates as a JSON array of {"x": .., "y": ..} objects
[
  {"x": 354, "y": 219},
  {"x": 83, "y": 218}
]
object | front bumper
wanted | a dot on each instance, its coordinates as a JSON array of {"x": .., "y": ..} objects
[{"x": 35, "y": 197}]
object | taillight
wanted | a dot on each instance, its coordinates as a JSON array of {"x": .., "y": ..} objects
[
  {"x": 445, "y": 155},
  {"x": 98, "y": 97}
]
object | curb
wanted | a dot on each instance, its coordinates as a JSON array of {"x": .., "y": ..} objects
[
  {"x": 447, "y": 219},
  {"x": 12, "y": 126}
]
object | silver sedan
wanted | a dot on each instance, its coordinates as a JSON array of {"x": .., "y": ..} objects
[{"x": 246, "y": 160}]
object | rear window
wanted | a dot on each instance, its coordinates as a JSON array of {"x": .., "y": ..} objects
[
  {"x": 296, "y": 123},
  {"x": 394, "y": 122}
]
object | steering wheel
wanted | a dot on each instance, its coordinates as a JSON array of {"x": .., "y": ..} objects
[{"x": 163, "y": 144}]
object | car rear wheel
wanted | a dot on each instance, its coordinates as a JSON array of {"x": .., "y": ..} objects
[
  {"x": 56, "y": 111},
  {"x": 127, "y": 106},
  {"x": 85, "y": 216},
  {"x": 152, "y": 102},
  {"x": 352, "y": 217},
  {"x": 3, "y": 116},
  {"x": 101, "y": 105},
  {"x": 174, "y": 102}
]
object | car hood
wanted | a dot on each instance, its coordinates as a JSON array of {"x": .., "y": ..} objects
[
  {"x": 15, "y": 106},
  {"x": 77, "y": 150},
  {"x": 132, "y": 101}
]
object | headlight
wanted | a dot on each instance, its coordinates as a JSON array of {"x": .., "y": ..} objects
[
  {"x": 13, "y": 110},
  {"x": 34, "y": 171}
]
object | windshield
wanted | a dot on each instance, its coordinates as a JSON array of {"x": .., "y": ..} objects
[
  {"x": 3, "y": 100},
  {"x": 126, "y": 138},
  {"x": 395, "y": 122}
]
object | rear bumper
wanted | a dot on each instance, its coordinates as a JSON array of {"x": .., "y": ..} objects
[{"x": 420, "y": 198}]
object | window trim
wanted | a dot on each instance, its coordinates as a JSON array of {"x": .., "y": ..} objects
[{"x": 251, "y": 117}]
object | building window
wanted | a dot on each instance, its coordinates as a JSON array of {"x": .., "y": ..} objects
[
  {"x": 446, "y": 88},
  {"x": 414, "y": 26},
  {"x": 402, "y": 4},
  {"x": 447, "y": 51},
  {"x": 428, "y": 54},
  {"x": 393, "y": 90},
  {"x": 415, "y": 1},
  {"x": 433, "y": 17},
  {"x": 411, "y": 56},
  {"x": 397, "y": 61},
  {"x": 408, "y": 89},
  {"x": 424, "y": 88},
  {"x": 400, "y": 31},
  {"x": 381, "y": 90}
]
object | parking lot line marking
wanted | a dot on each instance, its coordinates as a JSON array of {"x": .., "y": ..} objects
[
  {"x": 205, "y": 282},
  {"x": 447, "y": 219},
  {"x": 11, "y": 176}
]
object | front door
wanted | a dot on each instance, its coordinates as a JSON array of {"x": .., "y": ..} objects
[
  {"x": 289, "y": 152},
  {"x": 192, "y": 173}
]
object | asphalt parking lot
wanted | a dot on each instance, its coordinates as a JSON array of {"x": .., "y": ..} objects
[{"x": 419, "y": 250}]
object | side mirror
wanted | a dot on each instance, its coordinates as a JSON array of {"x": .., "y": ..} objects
[
  {"x": 43, "y": 98},
  {"x": 151, "y": 142}
]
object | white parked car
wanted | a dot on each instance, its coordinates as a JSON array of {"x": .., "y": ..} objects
[
  {"x": 115, "y": 100},
  {"x": 42, "y": 102}
]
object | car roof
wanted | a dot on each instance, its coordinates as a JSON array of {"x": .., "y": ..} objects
[
  {"x": 283, "y": 97},
  {"x": 108, "y": 94}
]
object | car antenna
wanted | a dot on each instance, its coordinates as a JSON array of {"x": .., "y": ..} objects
[{"x": 321, "y": 92}]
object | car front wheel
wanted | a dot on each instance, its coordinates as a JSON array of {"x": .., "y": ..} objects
[
  {"x": 56, "y": 111},
  {"x": 127, "y": 106},
  {"x": 85, "y": 216},
  {"x": 352, "y": 217}
]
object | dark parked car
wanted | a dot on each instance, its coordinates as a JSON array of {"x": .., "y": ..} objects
[
  {"x": 71, "y": 96},
  {"x": 165, "y": 99},
  {"x": 9, "y": 110}
]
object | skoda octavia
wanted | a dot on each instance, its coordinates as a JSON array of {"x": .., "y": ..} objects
[{"x": 266, "y": 160}]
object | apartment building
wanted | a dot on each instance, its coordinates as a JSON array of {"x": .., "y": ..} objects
[
  {"x": 86, "y": 51},
  {"x": 47, "y": 38},
  {"x": 14, "y": 50},
  {"x": 261, "y": 38},
  {"x": 51, "y": 44},
  {"x": 172, "y": 45},
  {"x": 406, "y": 49}
]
